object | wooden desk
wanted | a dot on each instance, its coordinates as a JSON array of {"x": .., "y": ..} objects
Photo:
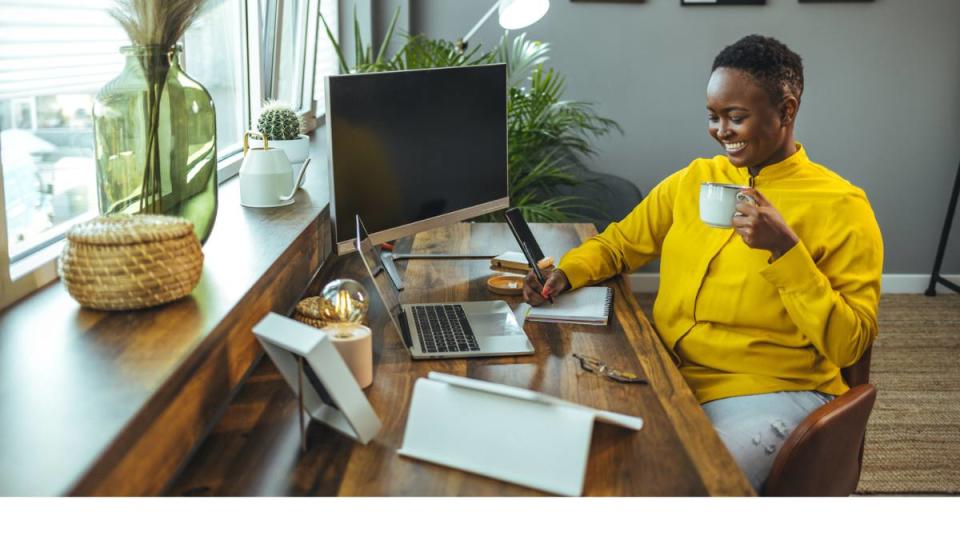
[{"x": 254, "y": 449}]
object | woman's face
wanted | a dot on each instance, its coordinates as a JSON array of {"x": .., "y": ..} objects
[{"x": 753, "y": 131}]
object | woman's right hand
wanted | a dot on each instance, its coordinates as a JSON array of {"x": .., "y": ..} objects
[{"x": 533, "y": 293}]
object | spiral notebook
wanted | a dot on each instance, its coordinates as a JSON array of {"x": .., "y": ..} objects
[{"x": 589, "y": 305}]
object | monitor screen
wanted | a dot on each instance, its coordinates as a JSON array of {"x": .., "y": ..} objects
[{"x": 413, "y": 150}]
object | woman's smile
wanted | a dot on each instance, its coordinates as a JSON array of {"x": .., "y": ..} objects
[{"x": 734, "y": 148}]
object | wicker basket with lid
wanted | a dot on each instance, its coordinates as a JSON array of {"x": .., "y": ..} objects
[
  {"x": 310, "y": 311},
  {"x": 130, "y": 261}
]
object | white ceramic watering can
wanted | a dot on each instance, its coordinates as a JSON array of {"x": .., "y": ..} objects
[{"x": 266, "y": 179}]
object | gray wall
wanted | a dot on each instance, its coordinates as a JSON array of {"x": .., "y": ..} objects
[
  {"x": 880, "y": 107},
  {"x": 374, "y": 18}
]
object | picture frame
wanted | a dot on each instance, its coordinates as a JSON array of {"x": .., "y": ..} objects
[
  {"x": 723, "y": 2},
  {"x": 325, "y": 388}
]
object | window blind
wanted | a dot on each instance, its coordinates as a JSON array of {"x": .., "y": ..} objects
[
  {"x": 57, "y": 47},
  {"x": 327, "y": 62}
]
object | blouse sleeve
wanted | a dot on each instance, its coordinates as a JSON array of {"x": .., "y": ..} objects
[
  {"x": 628, "y": 244},
  {"x": 834, "y": 300}
]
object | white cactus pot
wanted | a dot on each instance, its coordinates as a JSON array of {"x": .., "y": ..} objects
[{"x": 295, "y": 149}]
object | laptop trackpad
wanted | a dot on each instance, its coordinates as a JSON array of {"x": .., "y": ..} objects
[{"x": 494, "y": 324}]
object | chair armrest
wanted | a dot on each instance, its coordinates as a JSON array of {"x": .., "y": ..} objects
[{"x": 822, "y": 456}]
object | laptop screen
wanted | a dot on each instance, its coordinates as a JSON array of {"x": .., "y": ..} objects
[{"x": 371, "y": 259}]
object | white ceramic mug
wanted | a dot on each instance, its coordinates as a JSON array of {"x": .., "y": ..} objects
[
  {"x": 718, "y": 203},
  {"x": 266, "y": 179}
]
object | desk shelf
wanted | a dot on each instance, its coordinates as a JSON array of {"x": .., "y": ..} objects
[{"x": 113, "y": 403}]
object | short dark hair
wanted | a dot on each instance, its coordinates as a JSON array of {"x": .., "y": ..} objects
[{"x": 778, "y": 69}]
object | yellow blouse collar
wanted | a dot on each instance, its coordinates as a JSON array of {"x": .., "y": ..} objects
[{"x": 781, "y": 169}]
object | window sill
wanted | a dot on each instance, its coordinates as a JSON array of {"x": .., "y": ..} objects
[
  {"x": 40, "y": 268},
  {"x": 43, "y": 263},
  {"x": 111, "y": 403}
]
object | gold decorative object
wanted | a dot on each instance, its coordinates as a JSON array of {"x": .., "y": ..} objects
[
  {"x": 309, "y": 311},
  {"x": 345, "y": 303},
  {"x": 506, "y": 285},
  {"x": 122, "y": 262}
]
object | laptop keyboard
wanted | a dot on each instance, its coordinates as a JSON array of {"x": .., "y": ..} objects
[{"x": 444, "y": 328}]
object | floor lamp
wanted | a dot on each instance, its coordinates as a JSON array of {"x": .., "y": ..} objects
[
  {"x": 935, "y": 276},
  {"x": 513, "y": 15}
]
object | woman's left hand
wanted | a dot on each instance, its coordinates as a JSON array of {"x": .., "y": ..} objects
[{"x": 762, "y": 227}]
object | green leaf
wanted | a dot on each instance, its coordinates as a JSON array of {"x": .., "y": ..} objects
[
  {"x": 357, "y": 40},
  {"x": 336, "y": 46},
  {"x": 388, "y": 37},
  {"x": 521, "y": 57}
]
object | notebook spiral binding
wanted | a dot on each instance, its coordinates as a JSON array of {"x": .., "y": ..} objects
[{"x": 607, "y": 304}]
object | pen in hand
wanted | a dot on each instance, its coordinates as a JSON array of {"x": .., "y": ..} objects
[{"x": 546, "y": 293}]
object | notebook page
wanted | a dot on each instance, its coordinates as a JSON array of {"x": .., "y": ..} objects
[{"x": 589, "y": 304}]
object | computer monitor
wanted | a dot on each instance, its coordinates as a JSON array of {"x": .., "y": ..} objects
[{"x": 413, "y": 150}]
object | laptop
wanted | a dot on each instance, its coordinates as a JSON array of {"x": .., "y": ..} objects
[{"x": 444, "y": 330}]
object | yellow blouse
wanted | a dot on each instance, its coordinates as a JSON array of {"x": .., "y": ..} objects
[{"x": 740, "y": 324}]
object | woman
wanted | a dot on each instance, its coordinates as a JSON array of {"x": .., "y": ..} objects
[{"x": 764, "y": 315}]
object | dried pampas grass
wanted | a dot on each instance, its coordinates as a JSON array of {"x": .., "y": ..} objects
[{"x": 156, "y": 22}]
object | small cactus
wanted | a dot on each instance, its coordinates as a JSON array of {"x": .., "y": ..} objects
[{"x": 279, "y": 122}]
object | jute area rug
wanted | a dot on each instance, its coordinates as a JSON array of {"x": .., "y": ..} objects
[{"x": 913, "y": 437}]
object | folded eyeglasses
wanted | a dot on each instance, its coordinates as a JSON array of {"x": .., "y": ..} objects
[{"x": 598, "y": 367}]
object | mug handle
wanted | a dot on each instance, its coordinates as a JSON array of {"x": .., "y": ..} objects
[
  {"x": 246, "y": 144},
  {"x": 743, "y": 197}
]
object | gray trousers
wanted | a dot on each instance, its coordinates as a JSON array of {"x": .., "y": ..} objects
[{"x": 754, "y": 427}]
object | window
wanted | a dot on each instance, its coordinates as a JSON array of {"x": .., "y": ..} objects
[
  {"x": 289, "y": 30},
  {"x": 293, "y": 29},
  {"x": 213, "y": 55},
  {"x": 54, "y": 57},
  {"x": 326, "y": 56}
]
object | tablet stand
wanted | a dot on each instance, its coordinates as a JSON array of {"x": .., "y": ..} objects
[{"x": 504, "y": 432}]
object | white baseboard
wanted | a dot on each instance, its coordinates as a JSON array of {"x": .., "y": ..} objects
[
  {"x": 912, "y": 283},
  {"x": 644, "y": 283},
  {"x": 890, "y": 284}
]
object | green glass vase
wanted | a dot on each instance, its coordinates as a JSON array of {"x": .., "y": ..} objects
[{"x": 155, "y": 137}]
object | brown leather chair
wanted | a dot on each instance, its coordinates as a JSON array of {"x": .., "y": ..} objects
[{"x": 823, "y": 455}]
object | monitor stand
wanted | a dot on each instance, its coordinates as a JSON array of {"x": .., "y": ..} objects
[
  {"x": 402, "y": 256},
  {"x": 387, "y": 259}
]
